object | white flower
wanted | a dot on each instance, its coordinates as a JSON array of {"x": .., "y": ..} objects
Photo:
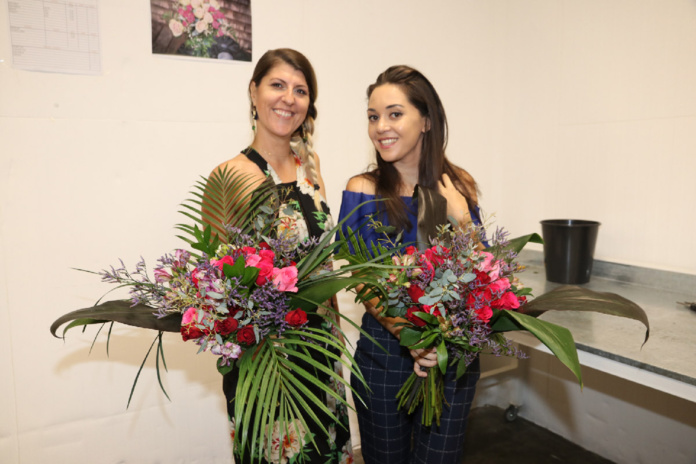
[
  {"x": 199, "y": 12},
  {"x": 215, "y": 4},
  {"x": 176, "y": 27},
  {"x": 196, "y": 3},
  {"x": 201, "y": 26},
  {"x": 208, "y": 18},
  {"x": 184, "y": 2},
  {"x": 346, "y": 454},
  {"x": 285, "y": 447}
]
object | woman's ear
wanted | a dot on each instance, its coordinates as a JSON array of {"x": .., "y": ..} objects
[
  {"x": 252, "y": 93},
  {"x": 426, "y": 126}
]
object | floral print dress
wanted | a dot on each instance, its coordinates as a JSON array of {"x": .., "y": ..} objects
[{"x": 303, "y": 211}]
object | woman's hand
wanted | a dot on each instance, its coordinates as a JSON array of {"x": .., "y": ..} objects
[
  {"x": 423, "y": 360},
  {"x": 457, "y": 207}
]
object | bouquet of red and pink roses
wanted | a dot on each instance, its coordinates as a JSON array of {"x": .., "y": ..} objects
[
  {"x": 458, "y": 298},
  {"x": 449, "y": 293},
  {"x": 247, "y": 294}
]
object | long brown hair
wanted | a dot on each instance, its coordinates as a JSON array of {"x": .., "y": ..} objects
[
  {"x": 433, "y": 161},
  {"x": 301, "y": 141}
]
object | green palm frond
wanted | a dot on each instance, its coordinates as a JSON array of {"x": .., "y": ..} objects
[
  {"x": 226, "y": 198},
  {"x": 279, "y": 379}
]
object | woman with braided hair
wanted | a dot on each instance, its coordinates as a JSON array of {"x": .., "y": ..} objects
[{"x": 282, "y": 92}]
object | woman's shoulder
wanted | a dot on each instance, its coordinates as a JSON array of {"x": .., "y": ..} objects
[{"x": 361, "y": 183}]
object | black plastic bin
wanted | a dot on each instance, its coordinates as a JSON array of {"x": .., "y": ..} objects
[{"x": 569, "y": 246}]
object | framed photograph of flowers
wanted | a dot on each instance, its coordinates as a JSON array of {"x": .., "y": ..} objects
[{"x": 215, "y": 29}]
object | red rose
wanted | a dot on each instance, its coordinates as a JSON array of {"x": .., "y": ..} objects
[
  {"x": 415, "y": 320},
  {"x": 190, "y": 332},
  {"x": 296, "y": 317},
  {"x": 484, "y": 314},
  {"x": 220, "y": 263},
  {"x": 507, "y": 301},
  {"x": 226, "y": 326},
  {"x": 432, "y": 255},
  {"x": 415, "y": 292},
  {"x": 482, "y": 278},
  {"x": 264, "y": 246},
  {"x": 410, "y": 250},
  {"x": 265, "y": 266},
  {"x": 246, "y": 335}
]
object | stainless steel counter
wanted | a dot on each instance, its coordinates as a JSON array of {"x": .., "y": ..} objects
[{"x": 611, "y": 344}]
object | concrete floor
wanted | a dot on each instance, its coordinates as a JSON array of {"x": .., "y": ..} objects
[{"x": 491, "y": 439}]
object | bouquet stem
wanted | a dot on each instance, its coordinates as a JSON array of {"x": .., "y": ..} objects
[{"x": 428, "y": 390}]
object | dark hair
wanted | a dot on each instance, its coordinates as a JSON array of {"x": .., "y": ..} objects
[
  {"x": 433, "y": 161},
  {"x": 295, "y": 59}
]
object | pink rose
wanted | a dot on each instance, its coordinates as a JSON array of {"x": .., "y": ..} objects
[
  {"x": 489, "y": 265},
  {"x": 189, "y": 330},
  {"x": 285, "y": 279},
  {"x": 190, "y": 315},
  {"x": 499, "y": 285}
]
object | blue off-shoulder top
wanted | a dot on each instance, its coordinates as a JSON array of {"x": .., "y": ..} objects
[{"x": 360, "y": 219}]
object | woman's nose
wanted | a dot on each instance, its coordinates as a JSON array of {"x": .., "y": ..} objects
[
  {"x": 289, "y": 97},
  {"x": 382, "y": 125}
]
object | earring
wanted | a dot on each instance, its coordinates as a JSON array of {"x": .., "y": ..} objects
[{"x": 254, "y": 117}]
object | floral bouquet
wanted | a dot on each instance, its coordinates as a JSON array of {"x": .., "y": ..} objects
[
  {"x": 246, "y": 293},
  {"x": 202, "y": 21},
  {"x": 459, "y": 298}
]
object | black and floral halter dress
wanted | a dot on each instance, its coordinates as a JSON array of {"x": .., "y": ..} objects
[{"x": 303, "y": 211}]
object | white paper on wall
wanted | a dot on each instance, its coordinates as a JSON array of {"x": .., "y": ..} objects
[{"x": 55, "y": 35}]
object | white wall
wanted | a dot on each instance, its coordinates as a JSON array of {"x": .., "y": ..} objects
[{"x": 575, "y": 108}]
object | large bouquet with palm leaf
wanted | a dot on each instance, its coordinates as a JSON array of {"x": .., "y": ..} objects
[
  {"x": 245, "y": 291},
  {"x": 456, "y": 297}
]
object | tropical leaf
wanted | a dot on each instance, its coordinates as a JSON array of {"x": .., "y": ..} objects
[
  {"x": 118, "y": 311},
  {"x": 556, "y": 338},
  {"x": 280, "y": 373},
  {"x": 516, "y": 244},
  {"x": 225, "y": 198},
  {"x": 574, "y": 298}
]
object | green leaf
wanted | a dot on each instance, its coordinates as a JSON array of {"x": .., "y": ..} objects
[
  {"x": 556, "y": 338},
  {"x": 409, "y": 336},
  {"x": 119, "y": 311},
  {"x": 574, "y": 298},
  {"x": 442, "y": 356}
]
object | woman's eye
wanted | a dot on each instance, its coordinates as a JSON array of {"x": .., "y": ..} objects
[
  {"x": 301, "y": 91},
  {"x": 396, "y": 115},
  {"x": 277, "y": 85},
  {"x": 372, "y": 117}
]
